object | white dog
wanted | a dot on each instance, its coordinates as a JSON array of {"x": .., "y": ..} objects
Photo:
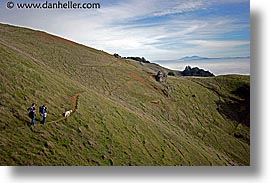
[{"x": 67, "y": 113}]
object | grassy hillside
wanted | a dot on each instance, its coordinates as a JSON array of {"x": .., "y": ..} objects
[{"x": 123, "y": 117}]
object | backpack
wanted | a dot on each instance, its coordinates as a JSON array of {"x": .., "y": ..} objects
[
  {"x": 41, "y": 109},
  {"x": 31, "y": 114}
]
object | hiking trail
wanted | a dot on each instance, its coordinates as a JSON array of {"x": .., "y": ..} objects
[{"x": 74, "y": 107}]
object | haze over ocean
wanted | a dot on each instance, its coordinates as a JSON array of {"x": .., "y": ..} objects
[{"x": 217, "y": 66}]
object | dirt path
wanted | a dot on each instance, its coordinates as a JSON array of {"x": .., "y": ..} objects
[{"x": 74, "y": 107}]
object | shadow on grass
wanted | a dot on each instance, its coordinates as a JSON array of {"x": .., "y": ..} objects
[{"x": 237, "y": 108}]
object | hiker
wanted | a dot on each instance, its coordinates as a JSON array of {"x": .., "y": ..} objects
[
  {"x": 32, "y": 113},
  {"x": 43, "y": 113}
]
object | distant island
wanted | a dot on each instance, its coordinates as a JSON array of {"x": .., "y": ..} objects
[{"x": 190, "y": 58}]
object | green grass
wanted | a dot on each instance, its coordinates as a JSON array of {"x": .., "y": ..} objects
[{"x": 123, "y": 115}]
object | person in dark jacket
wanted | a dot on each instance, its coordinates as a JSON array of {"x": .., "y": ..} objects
[
  {"x": 32, "y": 113},
  {"x": 43, "y": 113}
]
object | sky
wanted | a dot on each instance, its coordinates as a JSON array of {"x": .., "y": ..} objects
[{"x": 154, "y": 29}]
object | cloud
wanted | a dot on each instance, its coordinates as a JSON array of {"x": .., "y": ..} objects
[
  {"x": 180, "y": 7},
  {"x": 223, "y": 44}
]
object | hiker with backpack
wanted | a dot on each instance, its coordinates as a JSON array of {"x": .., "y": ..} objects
[
  {"x": 32, "y": 113},
  {"x": 43, "y": 112}
]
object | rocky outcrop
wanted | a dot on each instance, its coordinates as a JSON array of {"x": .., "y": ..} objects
[
  {"x": 161, "y": 77},
  {"x": 188, "y": 71},
  {"x": 138, "y": 59}
]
